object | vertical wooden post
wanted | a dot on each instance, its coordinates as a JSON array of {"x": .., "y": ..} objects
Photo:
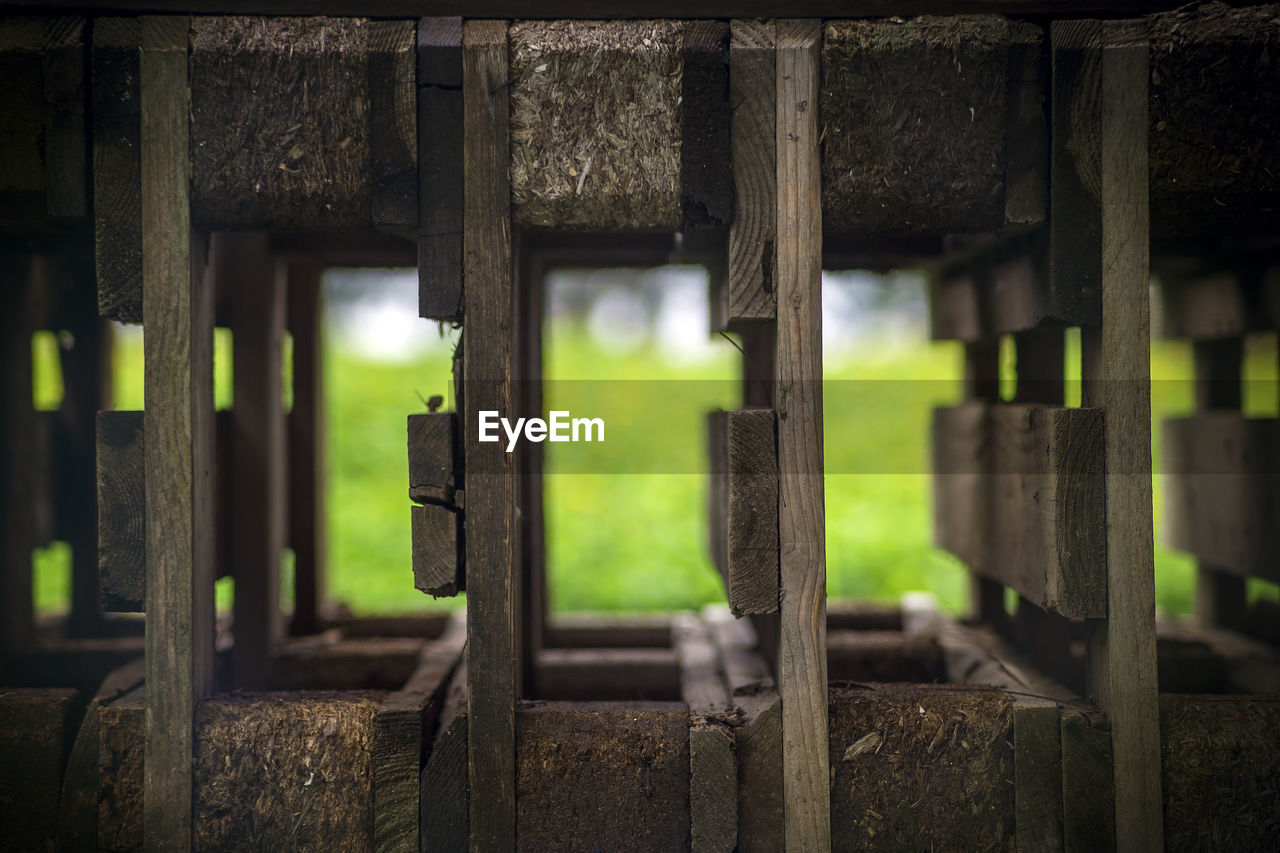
[
  {"x": 1100, "y": 139},
  {"x": 1220, "y": 596},
  {"x": 488, "y": 348},
  {"x": 17, "y": 423},
  {"x": 530, "y": 283},
  {"x": 802, "y": 653},
  {"x": 306, "y": 445},
  {"x": 982, "y": 382},
  {"x": 246, "y": 270},
  {"x": 178, "y": 312}
]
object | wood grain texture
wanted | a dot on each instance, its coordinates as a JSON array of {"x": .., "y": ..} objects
[
  {"x": 117, "y": 204},
  {"x": 177, "y": 307},
  {"x": 749, "y": 517},
  {"x": 245, "y": 269},
  {"x": 706, "y": 176},
  {"x": 802, "y": 660},
  {"x": 489, "y": 364},
  {"x": 37, "y": 727},
  {"x": 752, "y": 147},
  {"x": 438, "y": 550},
  {"x": 713, "y": 770},
  {"x": 962, "y": 461},
  {"x": 1026, "y": 147},
  {"x": 17, "y": 431},
  {"x": 401, "y": 739},
  {"x": 305, "y": 431},
  {"x": 434, "y": 463},
  {"x": 66, "y": 93},
  {"x": 22, "y": 175},
  {"x": 393, "y": 122},
  {"x": 1088, "y": 790},
  {"x": 122, "y": 519},
  {"x": 1110, "y": 106},
  {"x": 443, "y": 798},
  {"x": 440, "y": 189},
  {"x": 612, "y": 674}
]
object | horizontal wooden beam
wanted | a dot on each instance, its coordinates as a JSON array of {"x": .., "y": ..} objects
[
  {"x": 608, "y": 674},
  {"x": 439, "y": 554},
  {"x": 1222, "y": 483},
  {"x": 1018, "y": 496}
]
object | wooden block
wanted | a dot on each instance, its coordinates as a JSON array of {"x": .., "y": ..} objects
[
  {"x": 588, "y": 631},
  {"x": 292, "y": 149},
  {"x": 117, "y": 170},
  {"x": 1088, "y": 793},
  {"x": 122, "y": 519},
  {"x": 1026, "y": 167},
  {"x": 621, "y": 75},
  {"x": 433, "y": 457},
  {"x": 713, "y": 770},
  {"x": 250, "y": 744},
  {"x": 402, "y": 729},
  {"x": 616, "y": 675},
  {"x": 883, "y": 656},
  {"x": 600, "y": 774},
  {"x": 753, "y": 231},
  {"x": 305, "y": 439},
  {"x": 1224, "y": 484},
  {"x": 1201, "y": 739},
  {"x": 923, "y": 98},
  {"x": 962, "y": 459},
  {"x": 944, "y": 749},
  {"x": 121, "y": 773},
  {"x": 1214, "y": 104},
  {"x": 706, "y": 177},
  {"x": 488, "y": 356},
  {"x": 440, "y": 168},
  {"x": 957, "y": 309},
  {"x": 802, "y": 660},
  {"x": 744, "y": 490},
  {"x": 65, "y": 96},
  {"x": 1047, "y": 503},
  {"x": 36, "y": 733},
  {"x": 1037, "y": 773},
  {"x": 18, "y": 430},
  {"x": 328, "y": 662},
  {"x": 701, "y": 686},
  {"x": 438, "y": 551},
  {"x": 442, "y": 788},
  {"x": 393, "y": 122},
  {"x": 1203, "y": 307},
  {"x": 22, "y": 173},
  {"x": 1102, "y": 88},
  {"x": 177, "y": 306}
]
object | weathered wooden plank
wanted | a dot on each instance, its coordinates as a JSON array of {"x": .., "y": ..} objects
[
  {"x": 329, "y": 662},
  {"x": 305, "y": 438},
  {"x": 1026, "y": 167},
  {"x": 624, "y": 76},
  {"x": 957, "y": 307},
  {"x": 22, "y": 174},
  {"x": 713, "y": 784},
  {"x": 962, "y": 464},
  {"x": 802, "y": 659},
  {"x": 1088, "y": 791},
  {"x": 442, "y": 787},
  {"x": 440, "y": 168},
  {"x": 434, "y": 469},
  {"x": 66, "y": 94},
  {"x": 493, "y": 565},
  {"x": 606, "y": 774},
  {"x": 1226, "y": 480},
  {"x": 36, "y": 731},
  {"x": 122, "y": 519},
  {"x": 292, "y": 150},
  {"x": 439, "y": 550},
  {"x": 587, "y": 631},
  {"x": 906, "y": 101},
  {"x": 401, "y": 731},
  {"x": 618, "y": 674},
  {"x": 750, "y": 294},
  {"x": 530, "y": 287},
  {"x": 706, "y": 177},
  {"x": 243, "y": 265},
  {"x": 120, "y": 769},
  {"x": 177, "y": 305},
  {"x": 1205, "y": 306},
  {"x": 117, "y": 204},
  {"x": 744, "y": 496},
  {"x": 393, "y": 122},
  {"x": 1100, "y": 111}
]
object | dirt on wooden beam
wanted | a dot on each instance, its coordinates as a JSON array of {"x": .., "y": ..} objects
[
  {"x": 596, "y": 125},
  {"x": 917, "y": 767},
  {"x": 1215, "y": 116},
  {"x": 280, "y": 122},
  {"x": 1220, "y": 771},
  {"x": 602, "y": 776},
  {"x": 36, "y": 731},
  {"x": 915, "y": 115},
  {"x": 285, "y": 771}
]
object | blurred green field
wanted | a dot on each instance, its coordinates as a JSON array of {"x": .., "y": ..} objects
[{"x": 636, "y": 542}]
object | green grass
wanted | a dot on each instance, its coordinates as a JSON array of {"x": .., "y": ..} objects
[{"x": 636, "y": 541}]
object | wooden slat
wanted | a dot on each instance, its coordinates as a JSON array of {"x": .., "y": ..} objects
[
  {"x": 1220, "y": 499},
  {"x": 1100, "y": 115},
  {"x": 178, "y": 308},
  {"x": 305, "y": 437},
  {"x": 393, "y": 122},
  {"x": 117, "y": 214},
  {"x": 243, "y": 264},
  {"x": 706, "y": 178},
  {"x": 438, "y": 550},
  {"x": 713, "y": 787},
  {"x": 122, "y": 524},
  {"x": 17, "y": 425},
  {"x": 957, "y": 309},
  {"x": 401, "y": 731},
  {"x": 530, "y": 285},
  {"x": 617, "y": 674},
  {"x": 746, "y": 534},
  {"x": 443, "y": 798},
  {"x": 1026, "y": 167},
  {"x": 65, "y": 96},
  {"x": 1088, "y": 790},
  {"x": 433, "y": 457},
  {"x": 750, "y": 294},
  {"x": 489, "y": 364},
  {"x": 440, "y": 168},
  {"x": 23, "y": 197},
  {"x": 962, "y": 459},
  {"x": 1203, "y": 306},
  {"x": 802, "y": 660}
]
